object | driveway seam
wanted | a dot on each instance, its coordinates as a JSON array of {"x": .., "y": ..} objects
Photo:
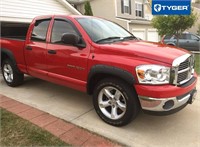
[{"x": 82, "y": 115}]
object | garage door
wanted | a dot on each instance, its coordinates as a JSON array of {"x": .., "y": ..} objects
[
  {"x": 152, "y": 35},
  {"x": 140, "y": 33},
  {"x": 26, "y": 10}
]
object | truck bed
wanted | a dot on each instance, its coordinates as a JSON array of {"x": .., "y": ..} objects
[
  {"x": 22, "y": 38},
  {"x": 16, "y": 46},
  {"x": 14, "y": 30}
]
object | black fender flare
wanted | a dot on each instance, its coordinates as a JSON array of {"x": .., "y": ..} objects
[
  {"x": 9, "y": 54},
  {"x": 108, "y": 70}
]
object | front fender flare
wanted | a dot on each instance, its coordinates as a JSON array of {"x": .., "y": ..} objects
[{"x": 108, "y": 70}]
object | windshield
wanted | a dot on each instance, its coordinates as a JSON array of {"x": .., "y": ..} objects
[{"x": 104, "y": 31}]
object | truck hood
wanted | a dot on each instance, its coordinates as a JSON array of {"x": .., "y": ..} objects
[{"x": 150, "y": 50}]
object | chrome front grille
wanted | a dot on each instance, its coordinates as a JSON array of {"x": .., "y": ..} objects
[
  {"x": 182, "y": 69},
  {"x": 182, "y": 76},
  {"x": 184, "y": 65}
]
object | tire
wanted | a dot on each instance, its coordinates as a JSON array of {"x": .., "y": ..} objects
[
  {"x": 11, "y": 74},
  {"x": 115, "y": 102}
]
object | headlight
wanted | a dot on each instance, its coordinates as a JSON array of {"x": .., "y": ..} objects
[{"x": 153, "y": 74}]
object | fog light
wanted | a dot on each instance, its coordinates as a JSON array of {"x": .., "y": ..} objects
[{"x": 168, "y": 105}]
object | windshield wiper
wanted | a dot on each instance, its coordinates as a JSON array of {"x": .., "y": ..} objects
[
  {"x": 108, "y": 38},
  {"x": 129, "y": 38}
]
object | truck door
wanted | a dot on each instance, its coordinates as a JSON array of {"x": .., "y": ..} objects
[
  {"x": 67, "y": 64},
  {"x": 35, "y": 49},
  {"x": 190, "y": 42}
]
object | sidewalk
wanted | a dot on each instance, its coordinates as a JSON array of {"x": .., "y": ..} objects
[{"x": 67, "y": 132}]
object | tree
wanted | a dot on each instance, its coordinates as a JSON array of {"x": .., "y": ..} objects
[
  {"x": 198, "y": 31},
  {"x": 173, "y": 24},
  {"x": 88, "y": 9},
  {"x": 197, "y": 1}
]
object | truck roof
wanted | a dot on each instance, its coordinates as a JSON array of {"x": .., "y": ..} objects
[{"x": 72, "y": 16}]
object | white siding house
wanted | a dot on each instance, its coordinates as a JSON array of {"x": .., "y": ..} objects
[{"x": 25, "y": 10}]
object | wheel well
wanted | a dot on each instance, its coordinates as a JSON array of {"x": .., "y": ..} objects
[
  {"x": 98, "y": 77},
  {"x": 171, "y": 44},
  {"x": 3, "y": 57}
]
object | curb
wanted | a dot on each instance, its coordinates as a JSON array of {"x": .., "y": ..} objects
[{"x": 65, "y": 131}]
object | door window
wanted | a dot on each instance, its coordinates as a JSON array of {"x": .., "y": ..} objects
[
  {"x": 40, "y": 30},
  {"x": 194, "y": 37},
  {"x": 61, "y": 27},
  {"x": 184, "y": 36}
]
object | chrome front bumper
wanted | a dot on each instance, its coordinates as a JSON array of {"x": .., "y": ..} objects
[{"x": 166, "y": 104}]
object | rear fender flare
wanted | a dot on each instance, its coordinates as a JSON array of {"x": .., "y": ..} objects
[{"x": 10, "y": 56}]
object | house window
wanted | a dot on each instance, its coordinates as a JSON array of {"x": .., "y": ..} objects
[
  {"x": 139, "y": 12},
  {"x": 126, "y": 6}
]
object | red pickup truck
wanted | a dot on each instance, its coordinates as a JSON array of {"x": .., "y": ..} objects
[{"x": 99, "y": 57}]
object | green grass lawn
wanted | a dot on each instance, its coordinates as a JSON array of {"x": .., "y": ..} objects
[
  {"x": 16, "y": 131},
  {"x": 197, "y": 63}
]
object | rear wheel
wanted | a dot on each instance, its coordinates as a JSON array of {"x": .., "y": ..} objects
[
  {"x": 10, "y": 74},
  {"x": 115, "y": 102}
]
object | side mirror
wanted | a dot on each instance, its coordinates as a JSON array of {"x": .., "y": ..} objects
[
  {"x": 73, "y": 39},
  {"x": 196, "y": 39},
  {"x": 70, "y": 39}
]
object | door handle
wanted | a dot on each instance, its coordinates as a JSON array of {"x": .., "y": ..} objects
[
  {"x": 28, "y": 47},
  {"x": 51, "y": 51}
]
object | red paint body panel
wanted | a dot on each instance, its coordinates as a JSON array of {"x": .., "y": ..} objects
[
  {"x": 149, "y": 50},
  {"x": 60, "y": 69},
  {"x": 164, "y": 91},
  {"x": 36, "y": 58}
]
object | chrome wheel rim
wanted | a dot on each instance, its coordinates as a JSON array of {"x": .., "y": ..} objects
[
  {"x": 112, "y": 102},
  {"x": 8, "y": 73}
]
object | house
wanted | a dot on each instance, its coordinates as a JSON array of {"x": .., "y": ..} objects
[
  {"x": 134, "y": 15},
  {"x": 19, "y": 13},
  {"x": 195, "y": 27}
]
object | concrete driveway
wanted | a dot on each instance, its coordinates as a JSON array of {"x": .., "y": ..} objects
[{"x": 178, "y": 130}]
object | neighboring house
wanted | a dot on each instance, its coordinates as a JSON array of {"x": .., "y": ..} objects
[
  {"x": 196, "y": 8},
  {"x": 18, "y": 13},
  {"x": 134, "y": 15},
  {"x": 194, "y": 1}
]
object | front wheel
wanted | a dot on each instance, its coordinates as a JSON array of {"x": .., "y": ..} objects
[
  {"x": 115, "y": 102},
  {"x": 10, "y": 74}
]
